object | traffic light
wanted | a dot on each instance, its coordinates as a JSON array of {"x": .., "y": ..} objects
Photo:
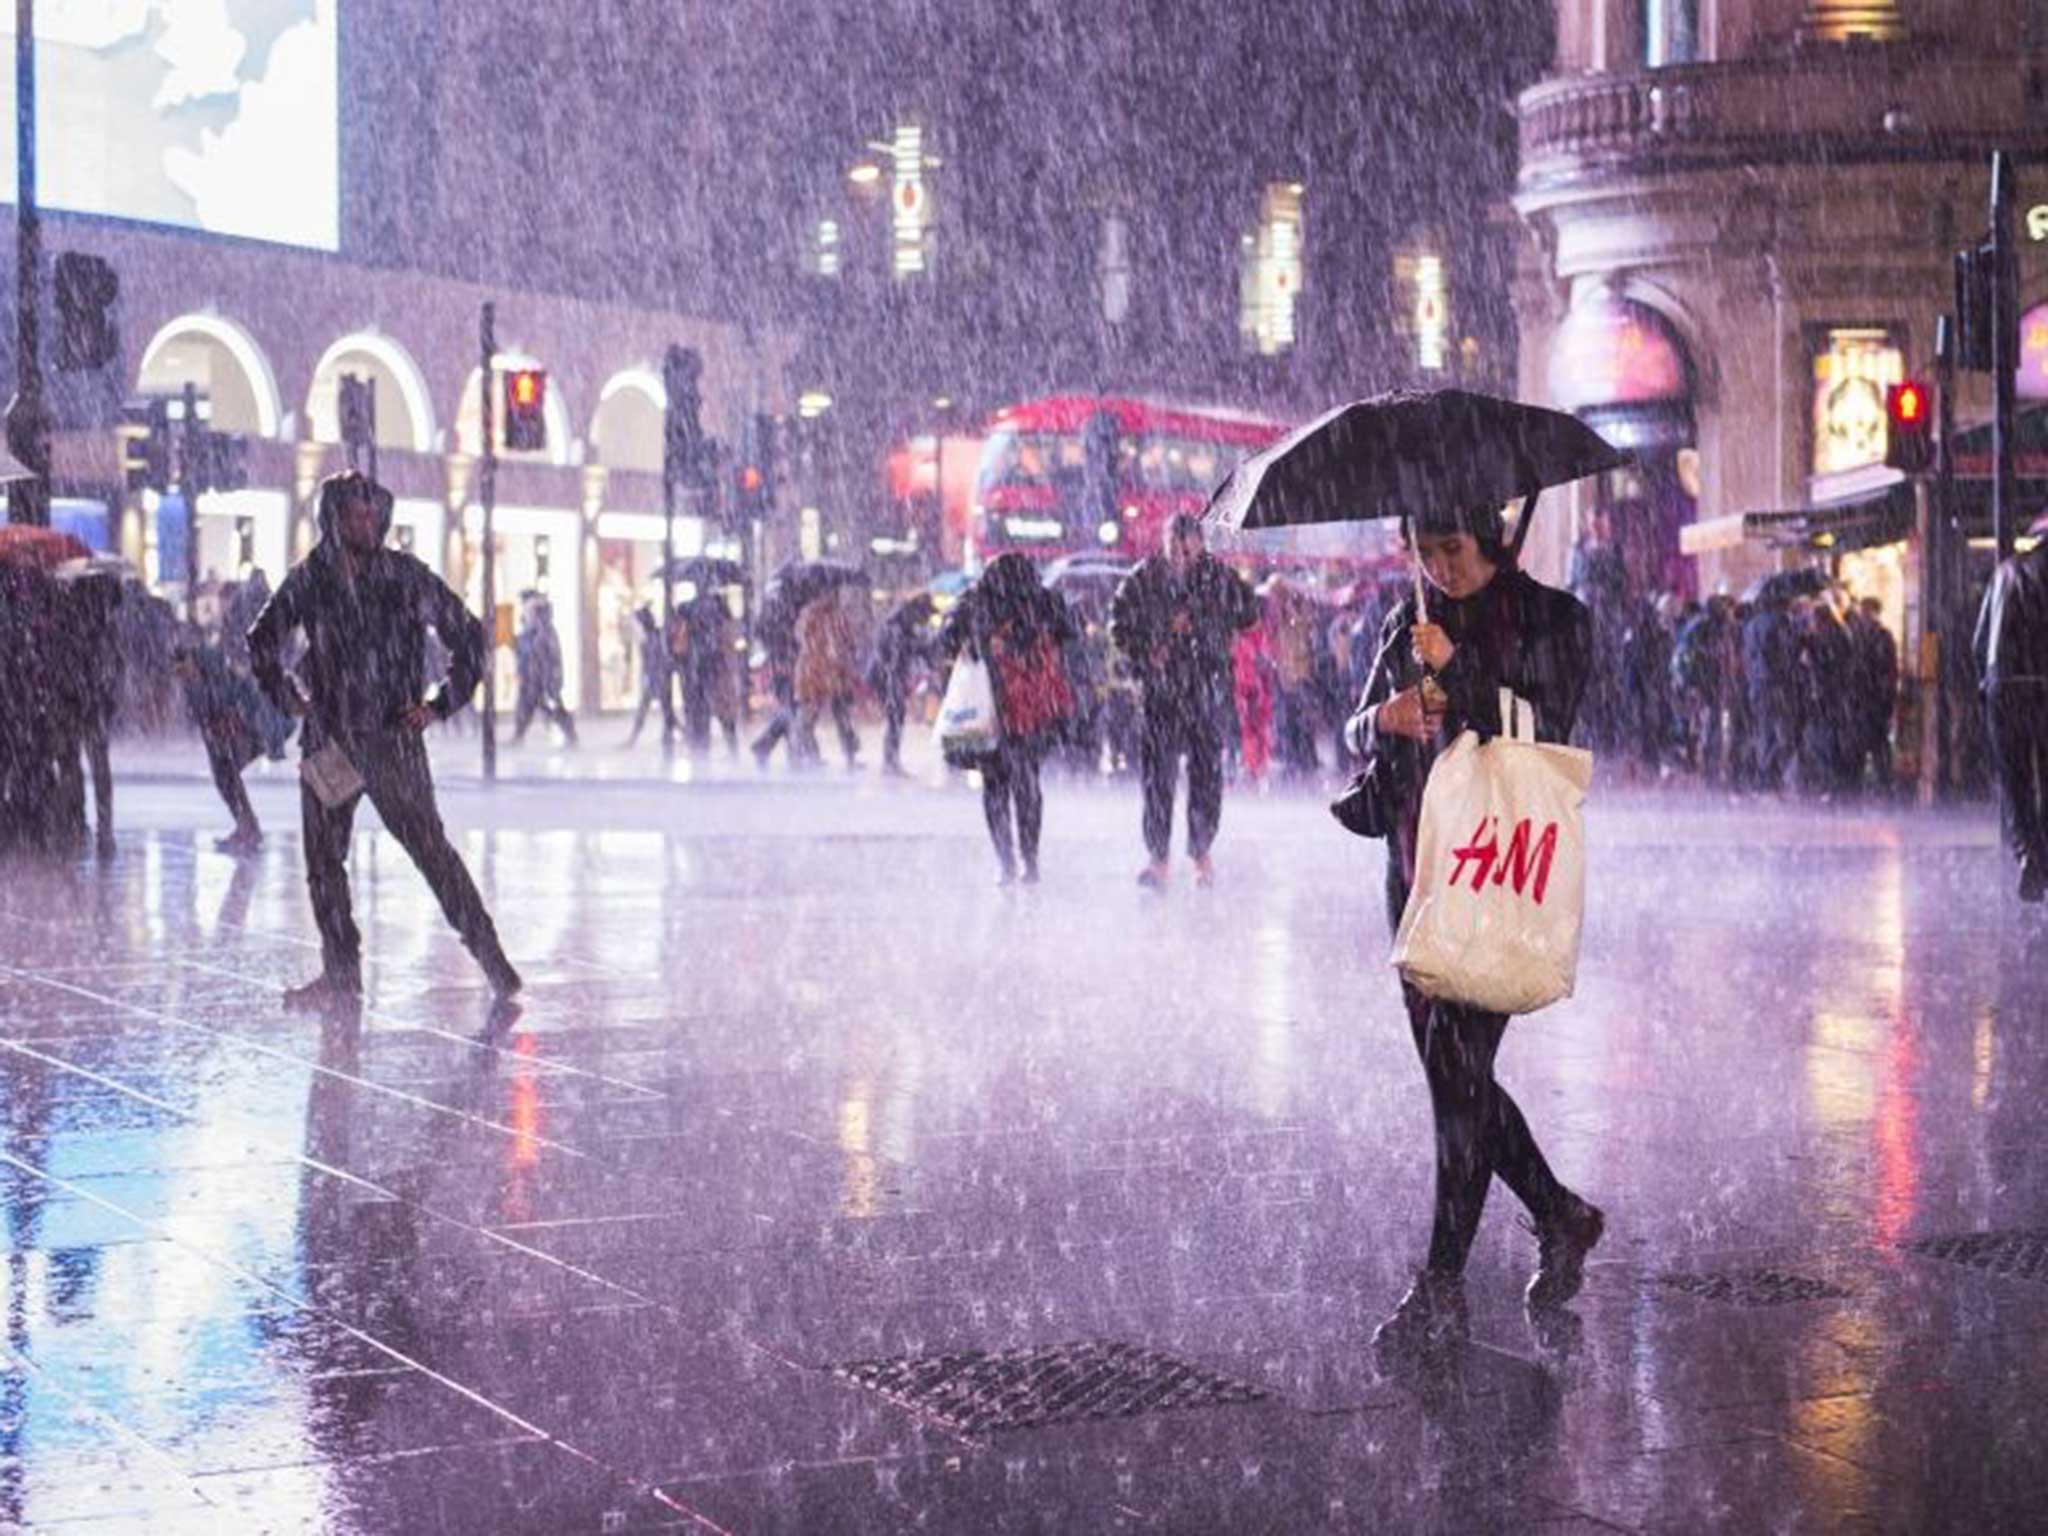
[
  {"x": 682, "y": 459},
  {"x": 1976, "y": 275},
  {"x": 1909, "y": 427},
  {"x": 755, "y": 478},
  {"x": 526, "y": 395},
  {"x": 357, "y": 407},
  {"x": 86, "y": 290},
  {"x": 223, "y": 462},
  {"x": 146, "y": 445}
]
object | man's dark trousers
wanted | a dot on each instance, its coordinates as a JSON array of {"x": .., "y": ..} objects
[
  {"x": 393, "y": 765},
  {"x": 2019, "y": 742},
  {"x": 1171, "y": 731}
]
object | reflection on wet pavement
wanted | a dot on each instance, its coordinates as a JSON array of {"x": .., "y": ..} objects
[{"x": 795, "y": 1088}]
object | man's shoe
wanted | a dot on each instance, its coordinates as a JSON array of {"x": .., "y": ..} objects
[
  {"x": 327, "y": 990},
  {"x": 1153, "y": 875},
  {"x": 1205, "y": 871},
  {"x": 1031, "y": 871},
  {"x": 241, "y": 840},
  {"x": 1562, "y": 1245},
  {"x": 1431, "y": 1316}
]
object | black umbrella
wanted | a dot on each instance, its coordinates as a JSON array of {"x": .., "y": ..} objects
[
  {"x": 798, "y": 582},
  {"x": 706, "y": 571},
  {"x": 1783, "y": 586},
  {"x": 1403, "y": 454}
]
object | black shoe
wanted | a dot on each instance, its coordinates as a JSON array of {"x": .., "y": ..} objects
[
  {"x": 330, "y": 989},
  {"x": 1562, "y": 1245},
  {"x": 241, "y": 840},
  {"x": 1031, "y": 871},
  {"x": 1431, "y": 1316}
]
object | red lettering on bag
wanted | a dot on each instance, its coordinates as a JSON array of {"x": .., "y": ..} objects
[
  {"x": 1517, "y": 863},
  {"x": 1520, "y": 864}
]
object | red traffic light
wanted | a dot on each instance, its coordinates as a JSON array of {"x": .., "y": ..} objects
[
  {"x": 526, "y": 391},
  {"x": 750, "y": 478},
  {"x": 1909, "y": 435}
]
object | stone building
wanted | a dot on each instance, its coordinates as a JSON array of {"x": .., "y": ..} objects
[{"x": 1741, "y": 217}]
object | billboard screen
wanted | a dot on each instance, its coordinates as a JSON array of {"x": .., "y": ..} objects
[{"x": 216, "y": 115}]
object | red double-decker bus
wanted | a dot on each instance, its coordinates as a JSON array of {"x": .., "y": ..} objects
[{"x": 1070, "y": 473}]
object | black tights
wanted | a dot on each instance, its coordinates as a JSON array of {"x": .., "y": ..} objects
[
  {"x": 1011, "y": 778},
  {"x": 1480, "y": 1131}
]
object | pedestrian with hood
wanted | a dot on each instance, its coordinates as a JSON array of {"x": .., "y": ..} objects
[
  {"x": 1175, "y": 618},
  {"x": 1489, "y": 626},
  {"x": 1022, "y": 630},
  {"x": 364, "y": 610},
  {"x": 902, "y": 648},
  {"x": 2012, "y": 670},
  {"x": 1877, "y": 686}
]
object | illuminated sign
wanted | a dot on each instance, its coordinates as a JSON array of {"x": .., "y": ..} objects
[
  {"x": 910, "y": 211},
  {"x": 1273, "y": 271},
  {"x": 2033, "y": 369},
  {"x": 1425, "y": 286},
  {"x": 1033, "y": 527},
  {"x": 2037, "y": 222},
  {"x": 222, "y": 117},
  {"x": 1432, "y": 312},
  {"x": 1851, "y": 375}
]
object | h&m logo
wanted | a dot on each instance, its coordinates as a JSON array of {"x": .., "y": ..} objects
[{"x": 1520, "y": 864}]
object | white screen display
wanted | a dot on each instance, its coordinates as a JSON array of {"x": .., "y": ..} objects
[{"x": 219, "y": 115}]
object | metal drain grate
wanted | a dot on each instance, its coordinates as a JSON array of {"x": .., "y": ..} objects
[
  {"x": 1755, "y": 1287},
  {"x": 2016, "y": 1255},
  {"x": 1058, "y": 1384}
]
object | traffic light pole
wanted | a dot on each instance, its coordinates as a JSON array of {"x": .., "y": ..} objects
[
  {"x": 28, "y": 418},
  {"x": 2005, "y": 337},
  {"x": 190, "y": 458},
  {"x": 487, "y": 493},
  {"x": 1942, "y": 554},
  {"x": 668, "y": 600}
]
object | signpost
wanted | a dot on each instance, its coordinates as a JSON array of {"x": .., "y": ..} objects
[{"x": 487, "y": 493}]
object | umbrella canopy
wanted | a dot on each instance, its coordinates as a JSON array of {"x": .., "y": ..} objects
[
  {"x": 1409, "y": 454},
  {"x": 1783, "y": 586},
  {"x": 42, "y": 549},
  {"x": 705, "y": 571},
  {"x": 799, "y": 581}
]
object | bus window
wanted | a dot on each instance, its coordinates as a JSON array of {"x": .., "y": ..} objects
[{"x": 1032, "y": 459}]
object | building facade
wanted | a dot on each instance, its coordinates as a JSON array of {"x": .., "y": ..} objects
[{"x": 1741, "y": 220}]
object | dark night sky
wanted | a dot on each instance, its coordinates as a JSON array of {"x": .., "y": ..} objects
[{"x": 677, "y": 154}]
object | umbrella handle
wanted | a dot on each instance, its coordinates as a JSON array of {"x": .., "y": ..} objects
[
  {"x": 1415, "y": 569},
  {"x": 1522, "y": 526}
]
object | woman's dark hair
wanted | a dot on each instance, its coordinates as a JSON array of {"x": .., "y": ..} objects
[{"x": 1485, "y": 529}]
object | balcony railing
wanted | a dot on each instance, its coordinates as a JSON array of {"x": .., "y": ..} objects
[{"x": 1836, "y": 104}]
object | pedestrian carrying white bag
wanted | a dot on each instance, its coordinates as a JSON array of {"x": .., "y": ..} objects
[
  {"x": 968, "y": 725},
  {"x": 1499, "y": 898}
]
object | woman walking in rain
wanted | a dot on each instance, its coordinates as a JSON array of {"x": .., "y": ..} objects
[
  {"x": 1489, "y": 626},
  {"x": 1022, "y": 631}
]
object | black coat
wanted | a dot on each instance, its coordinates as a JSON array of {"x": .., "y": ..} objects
[
  {"x": 365, "y": 643},
  {"x": 2012, "y": 626},
  {"x": 1184, "y": 667},
  {"x": 1514, "y": 633}
]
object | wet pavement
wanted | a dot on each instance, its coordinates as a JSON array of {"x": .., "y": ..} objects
[{"x": 823, "y": 1187}]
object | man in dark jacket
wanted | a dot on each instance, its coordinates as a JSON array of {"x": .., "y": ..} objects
[
  {"x": 1877, "y": 687},
  {"x": 1770, "y": 670},
  {"x": 2012, "y": 666},
  {"x": 364, "y": 610},
  {"x": 902, "y": 647},
  {"x": 1174, "y": 619}
]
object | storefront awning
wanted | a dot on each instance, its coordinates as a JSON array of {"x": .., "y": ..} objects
[{"x": 1866, "y": 509}]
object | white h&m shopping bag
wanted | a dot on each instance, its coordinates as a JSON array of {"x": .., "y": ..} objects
[
  {"x": 968, "y": 725},
  {"x": 1499, "y": 898}
]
